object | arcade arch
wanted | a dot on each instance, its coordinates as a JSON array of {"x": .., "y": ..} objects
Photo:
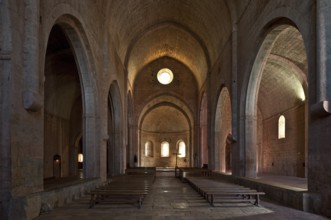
[
  {"x": 63, "y": 107},
  {"x": 69, "y": 100},
  {"x": 223, "y": 128},
  {"x": 278, "y": 86}
]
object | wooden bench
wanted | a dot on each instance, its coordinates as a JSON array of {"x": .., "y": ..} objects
[
  {"x": 123, "y": 187},
  {"x": 199, "y": 183},
  {"x": 235, "y": 196},
  {"x": 210, "y": 188},
  {"x": 136, "y": 177},
  {"x": 190, "y": 171},
  {"x": 142, "y": 171},
  {"x": 117, "y": 194}
]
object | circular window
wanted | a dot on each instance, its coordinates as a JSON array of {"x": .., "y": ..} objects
[{"x": 165, "y": 76}]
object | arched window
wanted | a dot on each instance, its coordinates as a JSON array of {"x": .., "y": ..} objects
[
  {"x": 165, "y": 149},
  {"x": 281, "y": 127},
  {"x": 181, "y": 149},
  {"x": 149, "y": 149}
]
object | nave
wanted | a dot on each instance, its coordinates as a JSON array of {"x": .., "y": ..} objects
[{"x": 170, "y": 198}]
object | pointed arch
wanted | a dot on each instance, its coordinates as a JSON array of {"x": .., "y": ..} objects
[
  {"x": 177, "y": 108},
  {"x": 78, "y": 41},
  {"x": 264, "y": 105}
]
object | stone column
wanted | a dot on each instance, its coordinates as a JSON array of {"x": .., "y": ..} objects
[
  {"x": 317, "y": 198},
  {"x": 91, "y": 165},
  {"x": 323, "y": 67},
  {"x": 234, "y": 100},
  {"x": 250, "y": 146},
  {"x": 31, "y": 92},
  {"x": 5, "y": 105},
  {"x": 5, "y": 150},
  {"x": 234, "y": 95},
  {"x": 135, "y": 143},
  {"x": 132, "y": 144}
]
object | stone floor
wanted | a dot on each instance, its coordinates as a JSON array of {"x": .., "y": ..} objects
[{"x": 171, "y": 199}]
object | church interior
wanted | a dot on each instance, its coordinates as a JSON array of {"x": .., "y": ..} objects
[{"x": 89, "y": 89}]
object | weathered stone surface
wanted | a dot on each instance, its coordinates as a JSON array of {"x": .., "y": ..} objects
[{"x": 79, "y": 77}]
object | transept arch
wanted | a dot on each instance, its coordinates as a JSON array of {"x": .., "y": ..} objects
[
  {"x": 164, "y": 125},
  {"x": 140, "y": 49},
  {"x": 183, "y": 130}
]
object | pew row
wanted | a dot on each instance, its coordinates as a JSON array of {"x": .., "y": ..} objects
[
  {"x": 184, "y": 172},
  {"x": 214, "y": 190},
  {"x": 123, "y": 188},
  {"x": 148, "y": 171}
]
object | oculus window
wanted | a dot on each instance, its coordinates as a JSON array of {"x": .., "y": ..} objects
[
  {"x": 165, "y": 149},
  {"x": 165, "y": 76}
]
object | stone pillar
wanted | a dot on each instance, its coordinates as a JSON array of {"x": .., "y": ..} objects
[
  {"x": 5, "y": 105},
  {"x": 132, "y": 143},
  {"x": 91, "y": 165},
  {"x": 234, "y": 95},
  {"x": 317, "y": 199},
  {"x": 234, "y": 100},
  {"x": 323, "y": 28},
  {"x": 31, "y": 92},
  {"x": 118, "y": 150},
  {"x": 103, "y": 157},
  {"x": 322, "y": 107},
  {"x": 250, "y": 146},
  {"x": 205, "y": 155},
  {"x": 5, "y": 150}
]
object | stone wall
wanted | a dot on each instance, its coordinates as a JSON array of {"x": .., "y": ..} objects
[
  {"x": 286, "y": 156},
  {"x": 157, "y": 160},
  {"x": 24, "y": 33}
]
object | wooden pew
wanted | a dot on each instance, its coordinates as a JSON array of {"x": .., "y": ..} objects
[
  {"x": 234, "y": 196},
  {"x": 141, "y": 171},
  {"x": 124, "y": 187},
  {"x": 191, "y": 171},
  {"x": 97, "y": 195},
  {"x": 210, "y": 188}
]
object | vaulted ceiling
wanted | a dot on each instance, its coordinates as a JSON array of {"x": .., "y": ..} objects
[
  {"x": 284, "y": 81},
  {"x": 192, "y": 32}
]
